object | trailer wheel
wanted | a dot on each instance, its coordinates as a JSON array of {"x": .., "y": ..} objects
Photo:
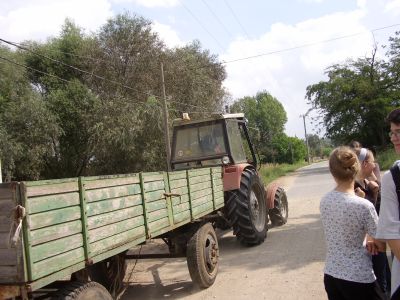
[
  {"x": 202, "y": 256},
  {"x": 247, "y": 209},
  {"x": 110, "y": 273},
  {"x": 83, "y": 291},
  {"x": 279, "y": 214}
]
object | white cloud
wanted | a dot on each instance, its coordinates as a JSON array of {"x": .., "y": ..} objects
[
  {"x": 287, "y": 74},
  {"x": 37, "y": 20},
  {"x": 393, "y": 7},
  {"x": 168, "y": 35},
  {"x": 150, "y": 3}
]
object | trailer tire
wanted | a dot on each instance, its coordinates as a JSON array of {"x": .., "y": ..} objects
[
  {"x": 247, "y": 209},
  {"x": 83, "y": 291},
  {"x": 202, "y": 256},
  {"x": 279, "y": 214},
  {"x": 110, "y": 273}
]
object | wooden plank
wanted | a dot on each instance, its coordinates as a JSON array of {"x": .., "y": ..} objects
[
  {"x": 201, "y": 193},
  {"x": 199, "y": 179},
  {"x": 5, "y": 223},
  {"x": 177, "y": 183},
  {"x": 181, "y": 207},
  {"x": 112, "y": 192},
  {"x": 153, "y": 186},
  {"x": 113, "y": 217},
  {"x": 179, "y": 200},
  {"x": 53, "y": 248},
  {"x": 156, "y": 215},
  {"x": 177, "y": 175},
  {"x": 216, "y": 170},
  {"x": 101, "y": 207},
  {"x": 116, "y": 228},
  {"x": 156, "y": 205},
  {"x": 202, "y": 200},
  {"x": 200, "y": 186},
  {"x": 6, "y": 207},
  {"x": 7, "y": 191},
  {"x": 114, "y": 180},
  {"x": 8, "y": 257},
  {"x": 49, "y": 189},
  {"x": 198, "y": 172},
  {"x": 50, "y": 202},
  {"x": 159, "y": 224},
  {"x": 54, "y": 217},
  {"x": 202, "y": 210},
  {"x": 8, "y": 274},
  {"x": 185, "y": 215},
  {"x": 4, "y": 240},
  {"x": 51, "y": 233},
  {"x": 182, "y": 190},
  {"x": 217, "y": 182},
  {"x": 153, "y": 196},
  {"x": 57, "y": 263},
  {"x": 154, "y": 176},
  {"x": 117, "y": 240},
  {"x": 219, "y": 200}
]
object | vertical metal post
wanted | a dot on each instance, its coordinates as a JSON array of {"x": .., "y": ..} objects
[
  {"x": 1, "y": 176},
  {"x": 305, "y": 134},
  {"x": 166, "y": 129}
]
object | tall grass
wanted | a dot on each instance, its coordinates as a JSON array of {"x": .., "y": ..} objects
[
  {"x": 270, "y": 172},
  {"x": 387, "y": 158}
]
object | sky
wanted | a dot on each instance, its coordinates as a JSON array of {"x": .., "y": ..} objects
[{"x": 276, "y": 46}]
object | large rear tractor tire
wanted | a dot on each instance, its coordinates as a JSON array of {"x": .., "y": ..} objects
[
  {"x": 110, "y": 273},
  {"x": 247, "y": 209},
  {"x": 83, "y": 291},
  {"x": 280, "y": 213},
  {"x": 202, "y": 256}
]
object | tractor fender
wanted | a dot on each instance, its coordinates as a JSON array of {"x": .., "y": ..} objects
[
  {"x": 270, "y": 191},
  {"x": 232, "y": 176}
]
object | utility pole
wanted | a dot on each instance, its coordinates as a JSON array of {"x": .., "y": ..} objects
[
  {"x": 1, "y": 176},
  {"x": 166, "y": 130},
  {"x": 305, "y": 134}
]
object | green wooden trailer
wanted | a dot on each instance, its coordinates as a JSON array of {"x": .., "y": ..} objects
[{"x": 70, "y": 226}]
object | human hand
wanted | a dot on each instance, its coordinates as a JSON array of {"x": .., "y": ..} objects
[
  {"x": 373, "y": 186},
  {"x": 359, "y": 192}
]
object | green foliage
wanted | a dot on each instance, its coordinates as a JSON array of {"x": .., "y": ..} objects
[
  {"x": 358, "y": 96},
  {"x": 285, "y": 149},
  {"x": 319, "y": 147},
  {"x": 270, "y": 172},
  {"x": 105, "y": 120},
  {"x": 386, "y": 158},
  {"x": 267, "y": 119}
]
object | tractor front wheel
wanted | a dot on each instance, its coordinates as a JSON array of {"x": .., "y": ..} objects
[{"x": 279, "y": 214}]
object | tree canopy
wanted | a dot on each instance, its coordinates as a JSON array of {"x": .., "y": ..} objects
[
  {"x": 357, "y": 96},
  {"x": 90, "y": 104}
]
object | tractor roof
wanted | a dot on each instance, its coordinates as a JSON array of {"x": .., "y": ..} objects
[{"x": 214, "y": 117}]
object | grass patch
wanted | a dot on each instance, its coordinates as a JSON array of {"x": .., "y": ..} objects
[
  {"x": 387, "y": 158},
  {"x": 270, "y": 172}
]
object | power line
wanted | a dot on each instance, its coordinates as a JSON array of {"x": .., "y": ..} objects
[
  {"x": 75, "y": 68},
  {"x": 55, "y": 76},
  {"x": 217, "y": 18},
  {"x": 307, "y": 45},
  {"x": 201, "y": 24},
  {"x": 237, "y": 19}
]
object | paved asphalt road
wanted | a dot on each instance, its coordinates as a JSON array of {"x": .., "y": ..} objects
[{"x": 288, "y": 265}]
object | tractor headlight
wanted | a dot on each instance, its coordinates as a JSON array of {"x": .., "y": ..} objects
[{"x": 225, "y": 160}]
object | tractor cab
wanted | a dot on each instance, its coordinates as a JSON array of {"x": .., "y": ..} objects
[{"x": 219, "y": 140}]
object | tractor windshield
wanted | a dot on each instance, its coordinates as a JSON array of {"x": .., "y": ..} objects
[{"x": 199, "y": 142}]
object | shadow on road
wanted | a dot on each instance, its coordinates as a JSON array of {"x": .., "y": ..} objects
[{"x": 284, "y": 250}]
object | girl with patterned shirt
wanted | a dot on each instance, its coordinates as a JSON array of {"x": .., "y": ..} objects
[{"x": 347, "y": 219}]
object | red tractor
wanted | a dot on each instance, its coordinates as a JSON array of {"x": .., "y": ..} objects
[{"x": 223, "y": 140}]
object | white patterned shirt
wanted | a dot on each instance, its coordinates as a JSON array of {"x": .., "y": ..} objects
[{"x": 346, "y": 219}]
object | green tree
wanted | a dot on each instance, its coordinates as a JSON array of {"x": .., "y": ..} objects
[
  {"x": 266, "y": 117},
  {"x": 357, "y": 97},
  {"x": 285, "y": 149}
]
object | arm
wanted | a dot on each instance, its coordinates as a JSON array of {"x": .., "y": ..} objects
[{"x": 389, "y": 223}]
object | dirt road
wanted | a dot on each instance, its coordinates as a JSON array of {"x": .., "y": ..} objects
[{"x": 288, "y": 265}]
